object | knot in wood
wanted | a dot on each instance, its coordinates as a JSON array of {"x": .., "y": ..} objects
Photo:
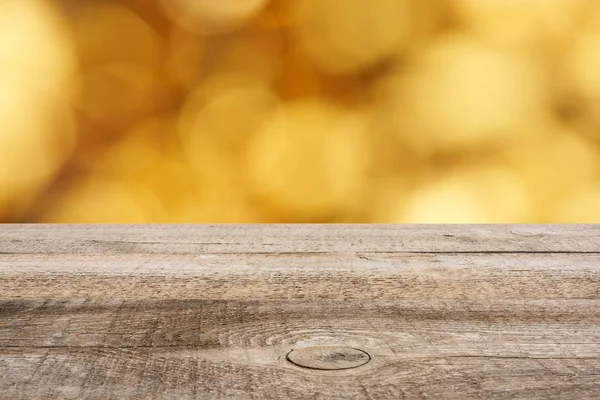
[{"x": 328, "y": 357}]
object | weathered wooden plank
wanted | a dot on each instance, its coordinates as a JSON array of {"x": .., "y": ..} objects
[
  {"x": 156, "y": 323},
  {"x": 181, "y": 374},
  {"x": 110, "y": 373},
  {"x": 195, "y": 239},
  {"x": 217, "y": 349},
  {"x": 301, "y": 276},
  {"x": 189, "y": 312}
]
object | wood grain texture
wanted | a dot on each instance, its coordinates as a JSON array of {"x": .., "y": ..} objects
[
  {"x": 203, "y": 312},
  {"x": 299, "y": 238}
]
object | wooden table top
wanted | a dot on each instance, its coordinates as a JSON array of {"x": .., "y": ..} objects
[{"x": 300, "y": 311}]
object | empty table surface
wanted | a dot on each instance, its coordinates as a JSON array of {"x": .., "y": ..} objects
[{"x": 300, "y": 311}]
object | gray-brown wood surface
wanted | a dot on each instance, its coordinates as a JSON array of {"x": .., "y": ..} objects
[{"x": 300, "y": 311}]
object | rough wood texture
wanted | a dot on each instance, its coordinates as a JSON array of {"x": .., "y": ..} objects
[{"x": 201, "y": 312}]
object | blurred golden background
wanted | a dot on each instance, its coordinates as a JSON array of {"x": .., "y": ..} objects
[{"x": 300, "y": 111}]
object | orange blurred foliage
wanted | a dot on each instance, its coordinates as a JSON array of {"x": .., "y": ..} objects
[{"x": 300, "y": 111}]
